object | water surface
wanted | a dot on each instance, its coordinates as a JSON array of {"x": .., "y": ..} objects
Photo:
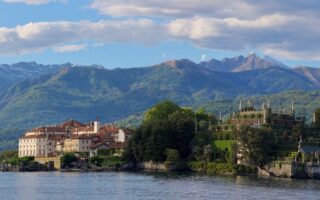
[{"x": 126, "y": 185}]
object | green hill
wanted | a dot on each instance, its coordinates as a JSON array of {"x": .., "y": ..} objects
[{"x": 122, "y": 95}]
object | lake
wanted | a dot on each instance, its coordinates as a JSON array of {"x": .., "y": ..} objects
[{"x": 127, "y": 185}]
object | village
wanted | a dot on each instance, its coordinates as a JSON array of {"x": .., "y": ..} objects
[{"x": 47, "y": 144}]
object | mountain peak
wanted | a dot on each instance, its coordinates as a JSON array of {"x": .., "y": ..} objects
[
  {"x": 241, "y": 63},
  {"x": 178, "y": 63},
  {"x": 253, "y": 61}
]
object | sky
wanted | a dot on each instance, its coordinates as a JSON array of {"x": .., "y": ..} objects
[{"x": 136, "y": 33}]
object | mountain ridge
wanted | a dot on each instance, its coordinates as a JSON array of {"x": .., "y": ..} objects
[{"x": 88, "y": 91}]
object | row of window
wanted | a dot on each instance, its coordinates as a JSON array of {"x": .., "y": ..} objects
[{"x": 33, "y": 140}]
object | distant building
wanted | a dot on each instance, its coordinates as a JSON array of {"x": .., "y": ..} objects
[
  {"x": 71, "y": 137},
  {"x": 250, "y": 116},
  {"x": 264, "y": 116},
  {"x": 41, "y": 142}
]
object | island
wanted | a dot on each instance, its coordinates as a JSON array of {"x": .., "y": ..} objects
[{"x": 250, "y": 141}]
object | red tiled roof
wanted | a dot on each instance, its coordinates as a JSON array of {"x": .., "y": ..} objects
[
  {"x": 33, "y": 136},
  {"x": 57, "y": 137},
  {"x": 99, "y": 143},
  {"x": 118, "y": 145},
  {"x": 108, "y": 129},
  {"x": 83, "y": 137},
  {"x": 83, "y": 129},
  {"x": 49, "y": 129},
  {"x": 72, "y": 123}
]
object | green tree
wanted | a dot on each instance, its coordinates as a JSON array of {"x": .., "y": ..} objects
[
  {"x": 166, "y": 126},
  {"x": 161, "y": 111},
  {"x": 67, "y": 159},
  {"x": 97, "y": 160},
  {"x": 317, "y": 118},
  {"x": 172, "y": 155},
  {"x": 257, "y": 144},
  {"x": 182, "y": 127}
]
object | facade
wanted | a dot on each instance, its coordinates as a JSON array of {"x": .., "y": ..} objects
[
  {"x": 40, "y": 144},
  {"x": 78, "y": 144},
  {"x": 71, "y": 137}
]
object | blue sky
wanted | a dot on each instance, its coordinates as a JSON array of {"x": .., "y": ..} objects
[{"x": 124, "y": 33}]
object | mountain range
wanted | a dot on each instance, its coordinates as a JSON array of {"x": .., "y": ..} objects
[
  {"x": 42, "y": 94},
  {"x": 33, "y": 94}
]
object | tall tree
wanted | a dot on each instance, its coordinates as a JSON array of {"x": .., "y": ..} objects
[{"x": 257, "y": 144}]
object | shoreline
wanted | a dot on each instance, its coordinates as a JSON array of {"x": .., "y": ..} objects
[{"x": 165, "y": 171}]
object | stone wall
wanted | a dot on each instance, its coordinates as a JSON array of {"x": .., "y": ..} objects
[
  {"x": 280, "y": 168},
  {"x": 152, "y": 166},
  {"x": 45, "y": 160}
]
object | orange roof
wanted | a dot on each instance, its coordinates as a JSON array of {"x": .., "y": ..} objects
[
  {"x": 49, "y": 129},
  {"x": 118, "y": 145},
  {"x": 99, "y": 143},
  {"x": 33, "y": 136},
  {"x": 83, "y": 129},
  {"x": 83, "y": 137},
  {"x": 57, "y": 137},
  {"x": 72, "y": 123},
  {"x": 109, "y": 129}
]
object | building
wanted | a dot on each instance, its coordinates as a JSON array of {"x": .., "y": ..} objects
[
  {"x": 250, "y": 116},
  {"x": 72, "y": 137},
  {"x": 278, "y": 120},
  {"x": 41, "y": 142},
  {"x": 78, "y": 143}
]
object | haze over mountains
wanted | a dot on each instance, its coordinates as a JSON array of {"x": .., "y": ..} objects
[{"x": 52, "y": 93}]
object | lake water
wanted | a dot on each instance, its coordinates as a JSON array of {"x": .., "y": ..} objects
[{"x": 126, "y": 185}]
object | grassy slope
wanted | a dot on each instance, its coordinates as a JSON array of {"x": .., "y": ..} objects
[{"x": 224, "y": 144}]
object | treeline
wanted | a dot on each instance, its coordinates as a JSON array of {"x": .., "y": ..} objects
[{"x": 172, "y": 133}]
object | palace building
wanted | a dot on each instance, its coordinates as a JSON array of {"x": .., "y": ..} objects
[
  {"x": 71, "y": 137},
  {"x": 250, "y": 116}
]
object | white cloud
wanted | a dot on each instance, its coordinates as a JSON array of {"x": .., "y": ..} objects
[
  {"x": 278, "y": 28},
  {"x": 70, "y": 48},
  {"x": 35, "y": 37},
  {"x": 281, "y": 28},
  {"x": 172, "y": 8},
  {"x": 33, "y": 2},
  {"x": 288, "y": 28}
]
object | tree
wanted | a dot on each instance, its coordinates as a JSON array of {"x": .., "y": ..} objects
[
  {"x": 161, "y": 111},
  {"x": 172, "y": 155},
  {"x": 97, "y": 160},
  {"x": 257, "y": 144},
  {"x": 317, "y": 118},
  {"x": 67, "y": 159},
  {"x": 297, "y": 131},
  {"x": 204, "y": 150},
  {"x": 182, "y": 126},
  {"x": 166, "y": 126}
]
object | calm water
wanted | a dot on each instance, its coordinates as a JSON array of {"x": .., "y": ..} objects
[{"x": 114, "y": 185}]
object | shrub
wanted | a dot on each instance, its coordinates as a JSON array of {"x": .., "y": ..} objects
[
  {"x": 212, "y": 167},
  {"x": 68, "y": 159},
  {"x": 97, "y": 160},
  {"x": 172, "y": 155}
]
